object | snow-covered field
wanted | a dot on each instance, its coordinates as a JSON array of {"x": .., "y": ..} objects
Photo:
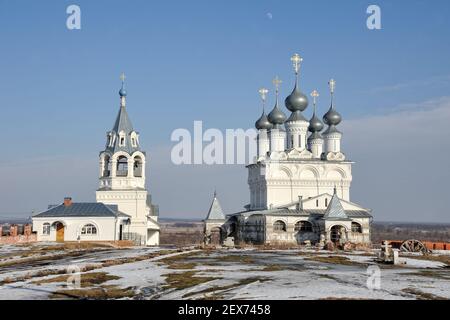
[{"x": 40, "y": 272}]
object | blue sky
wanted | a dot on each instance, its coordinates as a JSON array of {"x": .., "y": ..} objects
[{"x": 205, "y": 60}]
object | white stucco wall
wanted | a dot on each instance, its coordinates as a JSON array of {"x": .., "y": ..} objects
[
  {"x": 107, "y": 228},
  {"x": 278, "y": 183}
]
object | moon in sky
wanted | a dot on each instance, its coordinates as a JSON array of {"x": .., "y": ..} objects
[{"x": 269, "y": 15}]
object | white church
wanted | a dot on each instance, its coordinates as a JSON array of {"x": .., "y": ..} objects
[
  {"x": 123, "y": 209},
  {"x": 299, "y": 182}
]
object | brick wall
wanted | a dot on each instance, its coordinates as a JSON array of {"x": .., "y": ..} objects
[{"x": 14, "y": 236}]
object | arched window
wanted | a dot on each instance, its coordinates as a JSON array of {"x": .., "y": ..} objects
[
  {"x": 89, "y": 229},
  {"x": 122, "y": 166},
  {"x": 304, "y": 226},
  {"x": 134, "y": 139},
  {"x": 356, "y": 227},
  {"x": 121, "y": 139},
  {"x": 137, "y": 167},
  {"x": 107, "y": 166},
  {"x": 279, "y": 226},
  {"x": 46, "y": 228}
]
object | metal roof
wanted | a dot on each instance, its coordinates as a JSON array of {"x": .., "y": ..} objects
[
  {"x": 303, "y": 213},
  {"x": 215, "y": 211},
  {"x": 82, "y": 209},
  {"x": 335, "y": 209},
  {"x": 123, "y": 123}
]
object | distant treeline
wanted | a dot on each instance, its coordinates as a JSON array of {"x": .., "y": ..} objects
[{"x": 404, "y": 231}]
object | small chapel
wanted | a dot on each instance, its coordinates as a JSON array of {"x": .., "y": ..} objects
[
  {"x": 123, "y": 209},
  {"x": 299, "y": 181}
]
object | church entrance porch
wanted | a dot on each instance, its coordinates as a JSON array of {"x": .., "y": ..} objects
[
  {"x": 337, "y": 234},
  {"x": 216, "y": 236}
]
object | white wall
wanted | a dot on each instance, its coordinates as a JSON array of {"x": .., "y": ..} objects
[
  {"x": 107, "y": 229},
  {"x": 285, "y": 180}
]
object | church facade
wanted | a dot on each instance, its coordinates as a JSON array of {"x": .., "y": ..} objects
[
  {"x": 300, "y": 180},
  {"x": 123, "y": 209}
]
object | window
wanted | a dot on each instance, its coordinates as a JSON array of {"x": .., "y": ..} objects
[
  {"x": 46, "y": 228},
  {"x": 304, "y": 226},
  {"x": 317, "y": 203},
  {"x": 326, "y": 202},
  {"x": 122, "y": 166},
  {"x": 133, "y": 142},
  {"x": 356, "y": 227},
  {"x": 279, "y": 226},
  {"x": 89, "y": 229},
  {"x": 121, "y": 138}
]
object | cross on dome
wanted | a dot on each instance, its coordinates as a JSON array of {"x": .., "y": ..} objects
[
  {"x": 277, "y": 82},
  {"x": 314, "y": 94},
  {"x": 332, "y": 85},
  {"x": 263, "y": 93},
  {"x": 296, "y": 61}
]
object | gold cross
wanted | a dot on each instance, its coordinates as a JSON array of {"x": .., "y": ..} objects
[
  {"x": 296, "y": 60},
  {"x": 314, "y": 94},
  {"x": 276, "y": 82},
  {"x": 122, "y": 77},
  {"x": 332, "y": 85},
  {"x": 263, "y": 93}
]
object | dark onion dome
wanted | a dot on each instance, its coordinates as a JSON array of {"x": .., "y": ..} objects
[
  {"x": 263, "y": 122},
  {"x": 314, "y": 135},
  {"x": 123, "y": 92},
  {"x": 315, "y": 125},
  {"x": 296, "y": 101},
  {"x": 332, "y": 117},
  {"x": 276, "y": 116},
  {"x": 296, "y": 116}
]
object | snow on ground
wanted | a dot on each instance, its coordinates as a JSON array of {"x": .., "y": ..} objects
[{"x": 241, "y": 274}]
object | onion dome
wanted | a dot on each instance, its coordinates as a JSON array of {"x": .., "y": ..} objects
[
  {"x": 263, "y": 123},
  {"x": 122, "y": 91},
  {"x": 276, "y": 116},
  {"x": 315, "y": 125},
  {"x": 296, "y": 101},
  {"x": 332, "y": 117}
]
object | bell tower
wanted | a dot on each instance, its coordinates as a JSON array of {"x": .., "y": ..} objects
[{"x": 122, "y": 178}]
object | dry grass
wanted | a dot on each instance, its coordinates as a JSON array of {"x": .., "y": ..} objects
[
  {"x": 235, "y": 258},
  {"x": 334, "y": 260},
  {"x": 38, "y": 256},
  {"x": 86, "y": 279},
  {"x": 102, "y": 293},
  {"x": 436, "y": 274},
  {"x": 420, "y": 295},
  {"x": 44, "y": 273},
  {"x": 214, "y": 289},
  {"x": 101, "y": 264},
  {"x": 274, "y": 267},
  {"x": 181, "y": 265},
  {"x": 185, "y": 280}
]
